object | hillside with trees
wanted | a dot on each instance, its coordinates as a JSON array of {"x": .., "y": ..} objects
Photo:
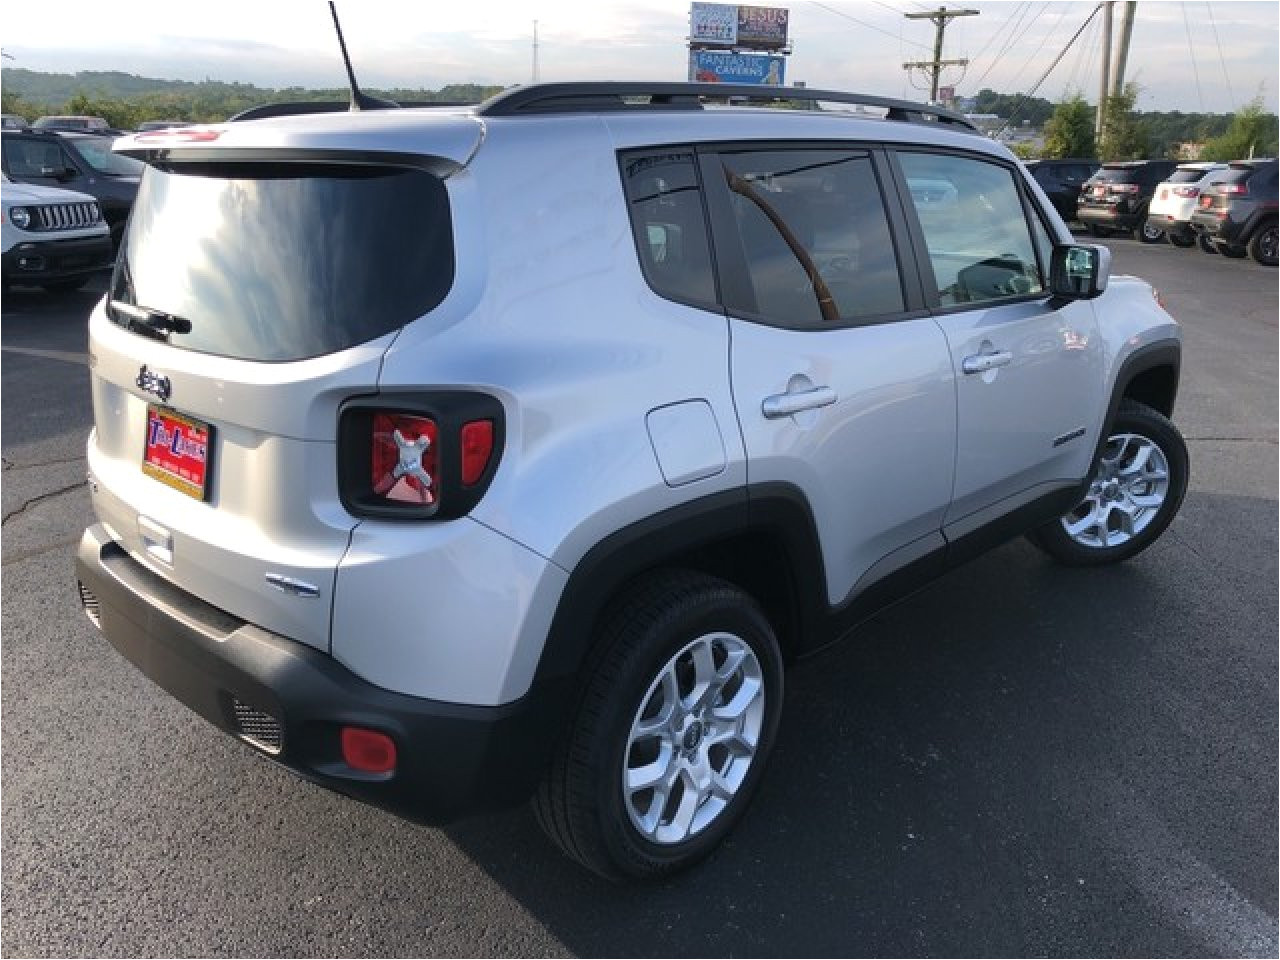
[{"x": 126, "y": 100}]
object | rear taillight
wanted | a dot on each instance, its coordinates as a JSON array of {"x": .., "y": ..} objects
[
  {"x": 419, "y": 456},
  {"x": 403, "y": 458},
  {"x": 1206, "y": 201},
  {"x": 1124, "y": 188},
  {"x": 1186, "y": 191},
  {"x": 1233, "y": 188},
  {"x": 477, "y": 448}
]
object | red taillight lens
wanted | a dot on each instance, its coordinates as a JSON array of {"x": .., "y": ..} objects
[
  {"x": 1233, "y": 188},
  {"x": 1186, "y": 191},
  {"x": 368, "y": 751},
  {"x": 1206, "y": 201},
  {"x": 477, "y": 447},
  {"x": 404, "y": 459},
  {"x": 1124, "y": 188}
]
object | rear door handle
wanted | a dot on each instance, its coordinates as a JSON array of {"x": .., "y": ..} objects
[
  {"x": 789, "y": 404},
  {"x": 982, "y": 362}
]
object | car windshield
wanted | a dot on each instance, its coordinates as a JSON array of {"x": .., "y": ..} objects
[{"x": 97, "y": 153}]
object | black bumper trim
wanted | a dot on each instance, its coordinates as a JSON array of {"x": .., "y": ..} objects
[
  {"x": 60, "y": 259},
  {"x": 453, "y": 759}
]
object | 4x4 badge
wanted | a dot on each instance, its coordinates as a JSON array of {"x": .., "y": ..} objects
[{"x": 156, "y": 383}]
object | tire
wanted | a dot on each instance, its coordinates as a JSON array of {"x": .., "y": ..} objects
[
  {"x": 669, "y": 630},
  {"x": 1147, "y": 233},
  {"x": 1262, "y": 246},
  {"x": 1183, "y": 240},
  {"x": 1205, "y": 244},
  {"x": 66, "y": 286},
  {"x": 1138, "y": 482},
  {"x": 1232, "y": 251}
]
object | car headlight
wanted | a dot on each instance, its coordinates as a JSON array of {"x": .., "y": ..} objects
[{"x": 20, "y": 217}]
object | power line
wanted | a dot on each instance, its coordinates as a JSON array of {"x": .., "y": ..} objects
[
  {"x": 869, "y": 26},
  {"x": 1221, "y": 59},
  {"x": 1195, "y": 70},
  {"x": 1043, "y": 40},
  {"x": 1026, "y": 96},
  {"x": 1008, "y": 42}
]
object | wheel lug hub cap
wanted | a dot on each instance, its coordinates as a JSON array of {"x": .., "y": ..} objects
[{"x": 693, "y": 736}]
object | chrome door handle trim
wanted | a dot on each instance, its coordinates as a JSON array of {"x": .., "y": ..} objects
[
  {"x": 789, "y": 404},
  {"x": 982, "y": 362}
]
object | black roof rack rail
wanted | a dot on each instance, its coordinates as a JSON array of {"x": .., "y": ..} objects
[
  {"x": 293, "y": 108},
  {"x": 545, "y": 98}
]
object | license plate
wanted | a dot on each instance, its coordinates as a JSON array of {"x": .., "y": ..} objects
[{"x": 177, "y": 451}]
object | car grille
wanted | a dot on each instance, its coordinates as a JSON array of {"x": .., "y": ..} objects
[
  {"x": 257, "y": 727},
  {"x": 65, "y": 216}
]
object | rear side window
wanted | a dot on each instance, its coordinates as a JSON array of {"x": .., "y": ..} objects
[
  {"x": 814, "y": 236},
  {"x": 285, "y": 261},
  {"x": 669, "y": 224},
  {"x": 975, "y": 228}
]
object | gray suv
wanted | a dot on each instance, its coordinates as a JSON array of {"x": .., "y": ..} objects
[{"x": 453, "y": 457}]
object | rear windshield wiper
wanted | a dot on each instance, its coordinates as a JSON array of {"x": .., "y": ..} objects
[{"x": 151, "y": 322}]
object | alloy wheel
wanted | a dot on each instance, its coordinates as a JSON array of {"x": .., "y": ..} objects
[
  {"x": 1126, "y": 493},
  {"x": 694, "y": 738}
]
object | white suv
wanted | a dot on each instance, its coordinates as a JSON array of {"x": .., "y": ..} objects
[
  {"x": 455, "y": 456},
  {"x": 50, "y": 237},
  {"x": 1175, "y": 200}
]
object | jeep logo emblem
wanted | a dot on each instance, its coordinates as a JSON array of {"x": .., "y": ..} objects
[{"x": 156, "y": 383}]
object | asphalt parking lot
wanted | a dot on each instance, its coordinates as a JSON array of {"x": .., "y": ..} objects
[{"x": 1021, "y": 760}]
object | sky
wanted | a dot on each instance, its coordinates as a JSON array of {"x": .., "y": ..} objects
[{"x": 1210, "y": 56}]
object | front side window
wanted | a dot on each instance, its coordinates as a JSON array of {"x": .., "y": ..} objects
[
  {"x": 669, "y": 225},
  {"x": 814, "y": 235},
  {"x": 975, "y": 228}
]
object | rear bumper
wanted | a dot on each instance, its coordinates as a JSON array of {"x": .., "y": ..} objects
[
  {"x": 1108, "y": 217},
  {"x": 1170, "y": 224},
  {"x": 452, "y": 760},
  {"x": 1218, "y": 228},
  {"x": 41, "y": 261}
]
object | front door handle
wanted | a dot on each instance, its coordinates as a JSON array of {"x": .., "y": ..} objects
[
  {"x": 982, "y": 362},
  {"x": 789, "y": 404}
]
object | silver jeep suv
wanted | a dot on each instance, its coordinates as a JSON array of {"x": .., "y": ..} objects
[{"x": 456, "y": 456}]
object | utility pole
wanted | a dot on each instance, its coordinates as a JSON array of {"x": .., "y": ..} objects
[
  {"x": 940, "y": 17},
  {"x": 1122, "y": 57},
  {"x": 535, "y": 51},
  {"x": 1104, "y": 81}
]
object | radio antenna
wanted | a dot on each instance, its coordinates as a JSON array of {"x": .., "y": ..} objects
[{"x": 359, "y": 99}]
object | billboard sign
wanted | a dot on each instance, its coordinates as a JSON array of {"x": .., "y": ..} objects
[
  {"x": 762, "y": 28},
  {"x": 718, "y": 66},
  {"x": 713, "y": 24}
]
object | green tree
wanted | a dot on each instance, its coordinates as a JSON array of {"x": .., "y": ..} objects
[
  {"x": 1069, "y": 132},
  {"x": 1252, "y": 133},
  {"x": 1124, "y": 136}
]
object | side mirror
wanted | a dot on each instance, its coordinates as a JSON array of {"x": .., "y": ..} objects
[{"x": 1079, "y": 271}]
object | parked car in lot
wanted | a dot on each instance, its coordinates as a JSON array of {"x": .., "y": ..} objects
[
  {"x": 355, "y": 509},
  {"x": 79, "y": 161},
  {"x": 1175, "y": 200},
  {"x": 12, "y": 121},
  {"x": 1237, "y": 213},
  {"x": 1116, "y": 197},
  {"x": 1061, "y": 180},
  {"x": 51, "y": 238}
]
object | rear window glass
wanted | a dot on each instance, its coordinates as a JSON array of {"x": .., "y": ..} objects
[
  {"x": 1186, "y": 176},
  {"x": 1235, "y": 174},
  {"x": 1118, "y": 175},
  {"x": 285, "y": 261}
]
